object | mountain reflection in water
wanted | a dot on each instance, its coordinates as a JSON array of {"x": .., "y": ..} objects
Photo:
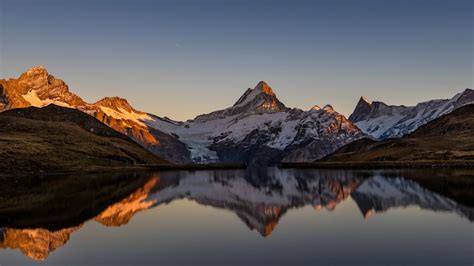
[{"x": 39, "y": 216}]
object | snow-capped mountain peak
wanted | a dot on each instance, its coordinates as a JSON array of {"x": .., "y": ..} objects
[
  {"x": 260, "y": 99},
  {"x": 259, "y": 122},
  {"x": 250, "y": 94},
  {"x": 386, "y": 121},
  {"x": 315, "y": 108},
  {"x": 263, "y": 87},
  {"x": 36, "y": 87},
  {"x": 119, "y": 108}
]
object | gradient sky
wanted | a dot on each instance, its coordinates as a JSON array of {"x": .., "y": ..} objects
[{"x": 183, "y": 58}]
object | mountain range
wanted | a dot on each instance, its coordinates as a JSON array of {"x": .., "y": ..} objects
[
  {"x": 257, "y": 129},
  {"x": 448, "y": 137},
  {"x": 382, "y": 121}
]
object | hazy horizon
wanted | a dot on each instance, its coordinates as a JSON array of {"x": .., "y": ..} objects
[{"x": 181, "y": 59}]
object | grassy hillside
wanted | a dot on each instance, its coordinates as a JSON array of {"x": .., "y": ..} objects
[{"x": 57, "y": 139}]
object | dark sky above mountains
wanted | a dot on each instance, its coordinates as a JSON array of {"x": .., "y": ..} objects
[{"x": 183, "y": 58}]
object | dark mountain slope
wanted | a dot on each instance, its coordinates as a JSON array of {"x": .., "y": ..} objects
[
  {"x": 449, "y": 137},
  {"x": 57, "y": 139}
]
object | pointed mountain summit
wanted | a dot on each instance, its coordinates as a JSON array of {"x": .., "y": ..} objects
[
  {"x": 260, "y": 99},
  {"x": 264, "y": 88},
  {"x": 261, "y": 88},
  {"x": 361, "y": 110}
]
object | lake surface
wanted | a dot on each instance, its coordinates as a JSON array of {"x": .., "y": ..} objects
[{"x": 240, "y": 217}]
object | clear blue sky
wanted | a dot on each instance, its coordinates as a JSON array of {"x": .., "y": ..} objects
[{"x": 183, "y": 58}]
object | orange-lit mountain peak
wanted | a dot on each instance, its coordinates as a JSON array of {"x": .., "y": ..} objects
[
  {"x": 36, "y": 243},
  {"x": 120, "y": 213},
  {"x": 263, "y": 87},
  {"x": 269, "y": 228}
]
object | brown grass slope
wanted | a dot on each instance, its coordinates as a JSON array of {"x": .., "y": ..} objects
[
  {"x": 448, "y": 138},
  {"x": 57, "y": 139}
]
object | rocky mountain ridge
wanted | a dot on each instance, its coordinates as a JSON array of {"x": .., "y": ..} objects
[
  {"x": 446, "y": 138},
  {"x": 383, "y": 121},
  {"x": 258, "y": 128}
]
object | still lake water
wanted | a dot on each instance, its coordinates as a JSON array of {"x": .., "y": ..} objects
[{"x": 241, "y": 217}]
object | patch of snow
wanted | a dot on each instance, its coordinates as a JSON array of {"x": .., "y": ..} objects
[
  {"x": 379, "y": 125},
  {"x": 123, "y": 114},
  {"x": 199, "y": 136},
  {"x": 32, "y": 98},
  {"x": 248, "y": 97}
]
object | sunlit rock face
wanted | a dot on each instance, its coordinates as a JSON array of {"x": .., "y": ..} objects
[
  {"x": 35, "y": 243},
  {"x": 36, "y": 87},
  {"x": 259, "y": 100}
]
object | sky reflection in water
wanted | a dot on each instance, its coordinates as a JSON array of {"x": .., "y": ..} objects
[{"x": 272, "y": 216}]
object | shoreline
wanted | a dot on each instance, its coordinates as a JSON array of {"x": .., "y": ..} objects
[
  {"x": 128, "y": 168},
  {"x": 381, "y": 165},
  {"x": 235, "y": 166}
]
